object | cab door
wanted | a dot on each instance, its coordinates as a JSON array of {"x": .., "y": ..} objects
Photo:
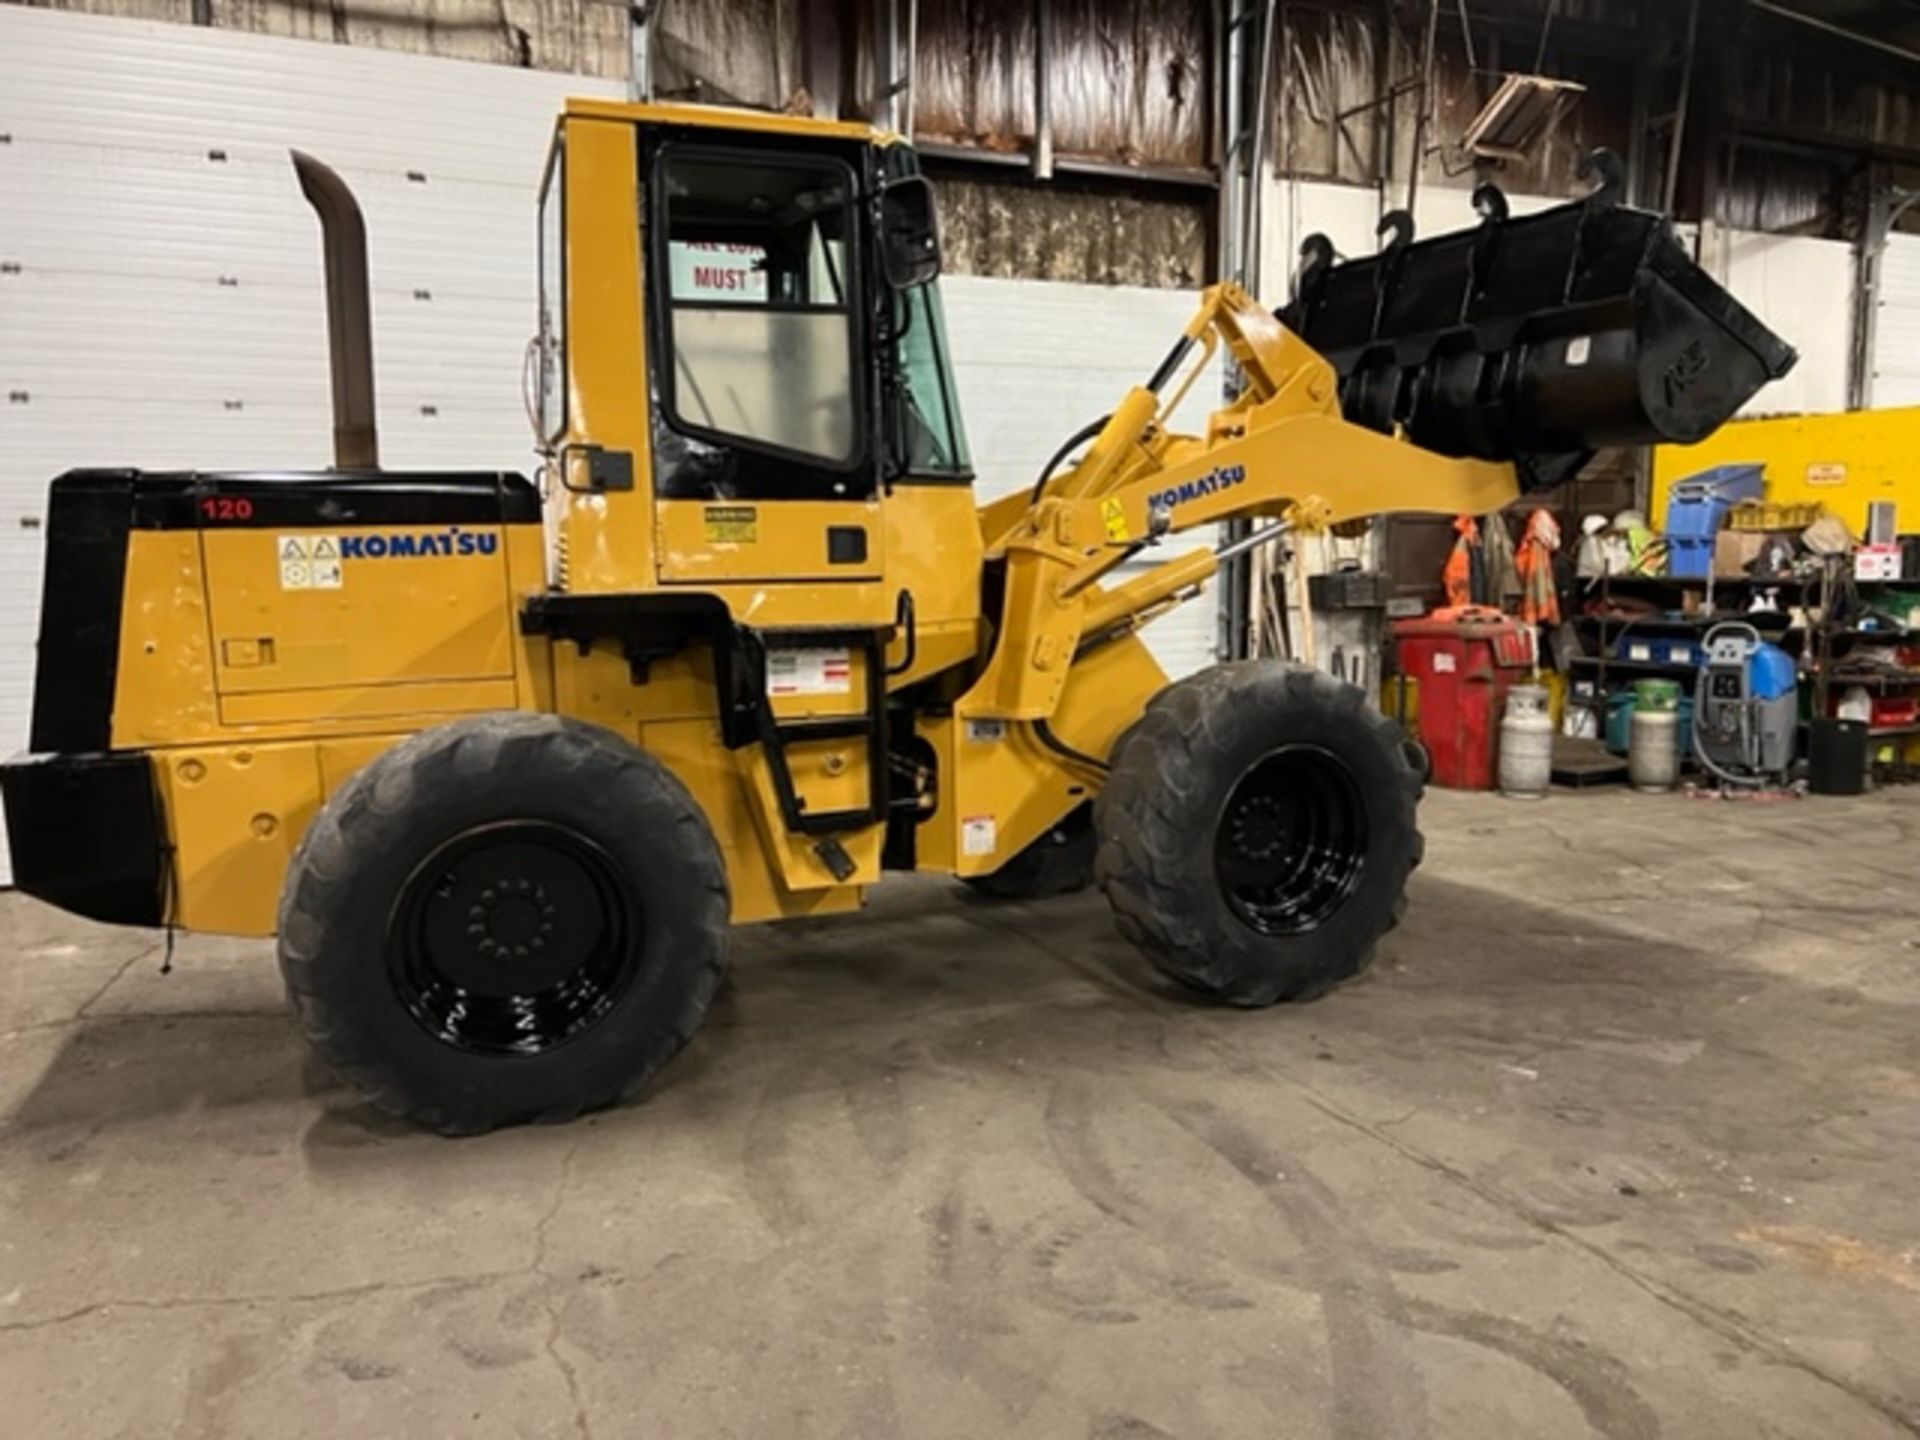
[{"x": 763, "y": 451}]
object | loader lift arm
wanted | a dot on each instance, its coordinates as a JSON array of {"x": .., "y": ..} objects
[
  {"x": 1447, "y": 376},
  {"x": 1280, "y": 451}
]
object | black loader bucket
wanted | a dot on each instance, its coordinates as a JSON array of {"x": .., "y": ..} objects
[{"x": 1536, "y": 339}]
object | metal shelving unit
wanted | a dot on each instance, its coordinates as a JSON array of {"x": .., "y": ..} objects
[
  {"x": 1604, "y": 663},
  {"x": 1812, "y": 647}
]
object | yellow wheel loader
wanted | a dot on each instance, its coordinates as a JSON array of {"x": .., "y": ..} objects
[{"x": 500, "y": 763}]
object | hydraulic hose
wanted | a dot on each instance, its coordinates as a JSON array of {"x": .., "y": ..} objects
[{"x": 1079, "y": 437}]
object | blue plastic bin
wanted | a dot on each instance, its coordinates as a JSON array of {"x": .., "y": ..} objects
[
  {"x": 1645, "y": 647},
  {"x": 1690, "y": 557},
  {"x": 1697, "y": 505}
]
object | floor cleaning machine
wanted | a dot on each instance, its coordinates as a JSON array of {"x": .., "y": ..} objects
[{"x": 1745, "y": 709}]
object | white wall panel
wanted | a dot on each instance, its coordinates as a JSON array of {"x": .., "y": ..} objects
[
  {"x": 1896, "y": 335},
  {"x": 1440, "y": 208},
  {"x": 1347, "y": 215},
  {"x": 162, "y": 301},
  {"x": 1035, "y": 360},
  {"x": 1291, "y": 210},
  {"x": 1803, "y": 289}
]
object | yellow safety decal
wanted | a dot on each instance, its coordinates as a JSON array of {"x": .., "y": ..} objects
[
  {"x": 309, "y": 562},
  {"x": 732, "y": 524},
  {"x": 1115, "y": 514}
]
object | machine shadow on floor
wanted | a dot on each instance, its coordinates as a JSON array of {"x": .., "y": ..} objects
[{"x": 936, "y": 980}]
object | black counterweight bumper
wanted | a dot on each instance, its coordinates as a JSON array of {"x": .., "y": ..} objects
[{"x": 86, "y": 834}]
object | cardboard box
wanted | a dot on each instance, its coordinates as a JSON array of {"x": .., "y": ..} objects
[{"x": 1734, "y": 550}]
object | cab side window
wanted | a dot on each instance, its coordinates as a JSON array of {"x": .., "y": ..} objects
[{"x": 759, "y": 331}]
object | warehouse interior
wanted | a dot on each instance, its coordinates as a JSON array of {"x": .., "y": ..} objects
[{"x": 1323, "y": 408}]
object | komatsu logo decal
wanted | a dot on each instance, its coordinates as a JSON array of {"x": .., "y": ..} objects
[
  {"x": 317, "y": 562},
  {"x": 1221, "y": 477},
  {"x": 453, "y": 541}
]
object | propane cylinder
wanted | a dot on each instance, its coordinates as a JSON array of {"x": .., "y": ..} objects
[
  {"x": 1653, "y": 736},
  {"x": 1526, "y": 744}
]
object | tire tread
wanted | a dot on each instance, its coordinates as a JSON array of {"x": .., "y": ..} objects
[
  {"x": 1146, "y": 830},
  {"x": 352, "y": 826}
]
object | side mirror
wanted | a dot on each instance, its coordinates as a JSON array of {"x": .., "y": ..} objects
[{"x": 909, "y": 233}]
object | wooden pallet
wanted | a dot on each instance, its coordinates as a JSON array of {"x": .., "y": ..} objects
[{"x": 1585, "y": 763}]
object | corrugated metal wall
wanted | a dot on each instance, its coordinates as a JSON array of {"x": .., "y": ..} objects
[
  {"x": 1800, "y": 79},
  {"x": 1328, "y": 64},
  {"x": 740, "y": 52},
  {"x": 1127, "y": 83},
  {"x": 587, "y": 37},
  {"x": 1780, "y": 193},
  {"x": 1347, "y": 98},
  {"x": 1127, "y": 87}
]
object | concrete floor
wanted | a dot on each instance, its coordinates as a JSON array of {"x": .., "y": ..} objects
[{"x": 1621, "y": 1137}]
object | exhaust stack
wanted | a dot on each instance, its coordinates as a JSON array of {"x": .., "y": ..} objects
[{"x": 343, "y": 238}]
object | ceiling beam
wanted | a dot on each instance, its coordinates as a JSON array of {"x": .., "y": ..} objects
[{"x": 1838, "y": 32}]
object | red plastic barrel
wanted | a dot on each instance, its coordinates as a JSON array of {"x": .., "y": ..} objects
[{"x": 1464, "y": 668}]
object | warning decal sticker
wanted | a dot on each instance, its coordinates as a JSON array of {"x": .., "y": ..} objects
[
  {"x": 826, "y": 671},
  {"x": 732, "y": 524},
  {"x": 309, "y": 562},
  {"x": 977, "y": 835}
]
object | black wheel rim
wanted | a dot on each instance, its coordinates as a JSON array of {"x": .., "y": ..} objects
[
  {"x": 1292, "y": 841},
  {"x": 513, "y": 938}
]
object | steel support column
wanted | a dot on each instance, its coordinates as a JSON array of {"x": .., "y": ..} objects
[
  {"x": 1042, "y": 99},
  {"x": 1884, "y": 206},
  {"x": 640, "y": 17},
  {"x": 883, "y": 106},
  {"x": 1246, "y": 103}
]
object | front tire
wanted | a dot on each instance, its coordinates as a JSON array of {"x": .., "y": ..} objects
[
  {"x": 509, "y": 918},
  {"x": 1257, "y": 832}
]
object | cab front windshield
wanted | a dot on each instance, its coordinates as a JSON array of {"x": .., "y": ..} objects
[
  {"x": 928, "y": 437},
  {"x": 927, "y": 411}
]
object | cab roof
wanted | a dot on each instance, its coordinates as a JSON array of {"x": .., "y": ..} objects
[{"x": 727, "y": 117}]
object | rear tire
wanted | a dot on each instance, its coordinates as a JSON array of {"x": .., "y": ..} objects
[
  {"x": 1058, "y": 862},
  {"x": 1257, "y": 832},
  {"x": 510, "y": 918}
]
